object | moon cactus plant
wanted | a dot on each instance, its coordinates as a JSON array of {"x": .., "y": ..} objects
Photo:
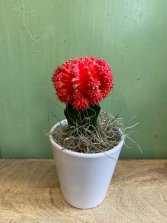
[{"x": 82, "y": 84}]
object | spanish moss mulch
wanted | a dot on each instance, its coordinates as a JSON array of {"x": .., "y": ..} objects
[{"x": 105, "y": 136}]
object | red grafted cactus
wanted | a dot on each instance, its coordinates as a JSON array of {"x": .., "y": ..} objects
[{"x": 83, "y": 82}]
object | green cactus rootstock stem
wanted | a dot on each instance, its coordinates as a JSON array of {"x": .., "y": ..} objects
[{"x": 85, "y": 117}]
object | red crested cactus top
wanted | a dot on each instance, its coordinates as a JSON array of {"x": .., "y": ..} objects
[{"x": 83, "y": 82}]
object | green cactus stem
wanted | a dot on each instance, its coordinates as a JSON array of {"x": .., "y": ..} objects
[{"x": 87, "y": 117}]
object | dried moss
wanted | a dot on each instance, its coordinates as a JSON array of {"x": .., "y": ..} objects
[{"x": 105, "y": 136}]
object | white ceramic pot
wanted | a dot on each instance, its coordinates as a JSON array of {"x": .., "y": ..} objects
[{"x": 84, "y": 178}]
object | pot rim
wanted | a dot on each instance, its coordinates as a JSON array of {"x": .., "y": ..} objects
[{"x": 84, "y": 155}]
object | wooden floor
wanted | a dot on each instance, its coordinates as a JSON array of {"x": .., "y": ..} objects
[{"x": 30, "y": 192}]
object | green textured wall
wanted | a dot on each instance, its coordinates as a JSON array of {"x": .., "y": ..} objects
[{"x": 37, "y": 36}]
